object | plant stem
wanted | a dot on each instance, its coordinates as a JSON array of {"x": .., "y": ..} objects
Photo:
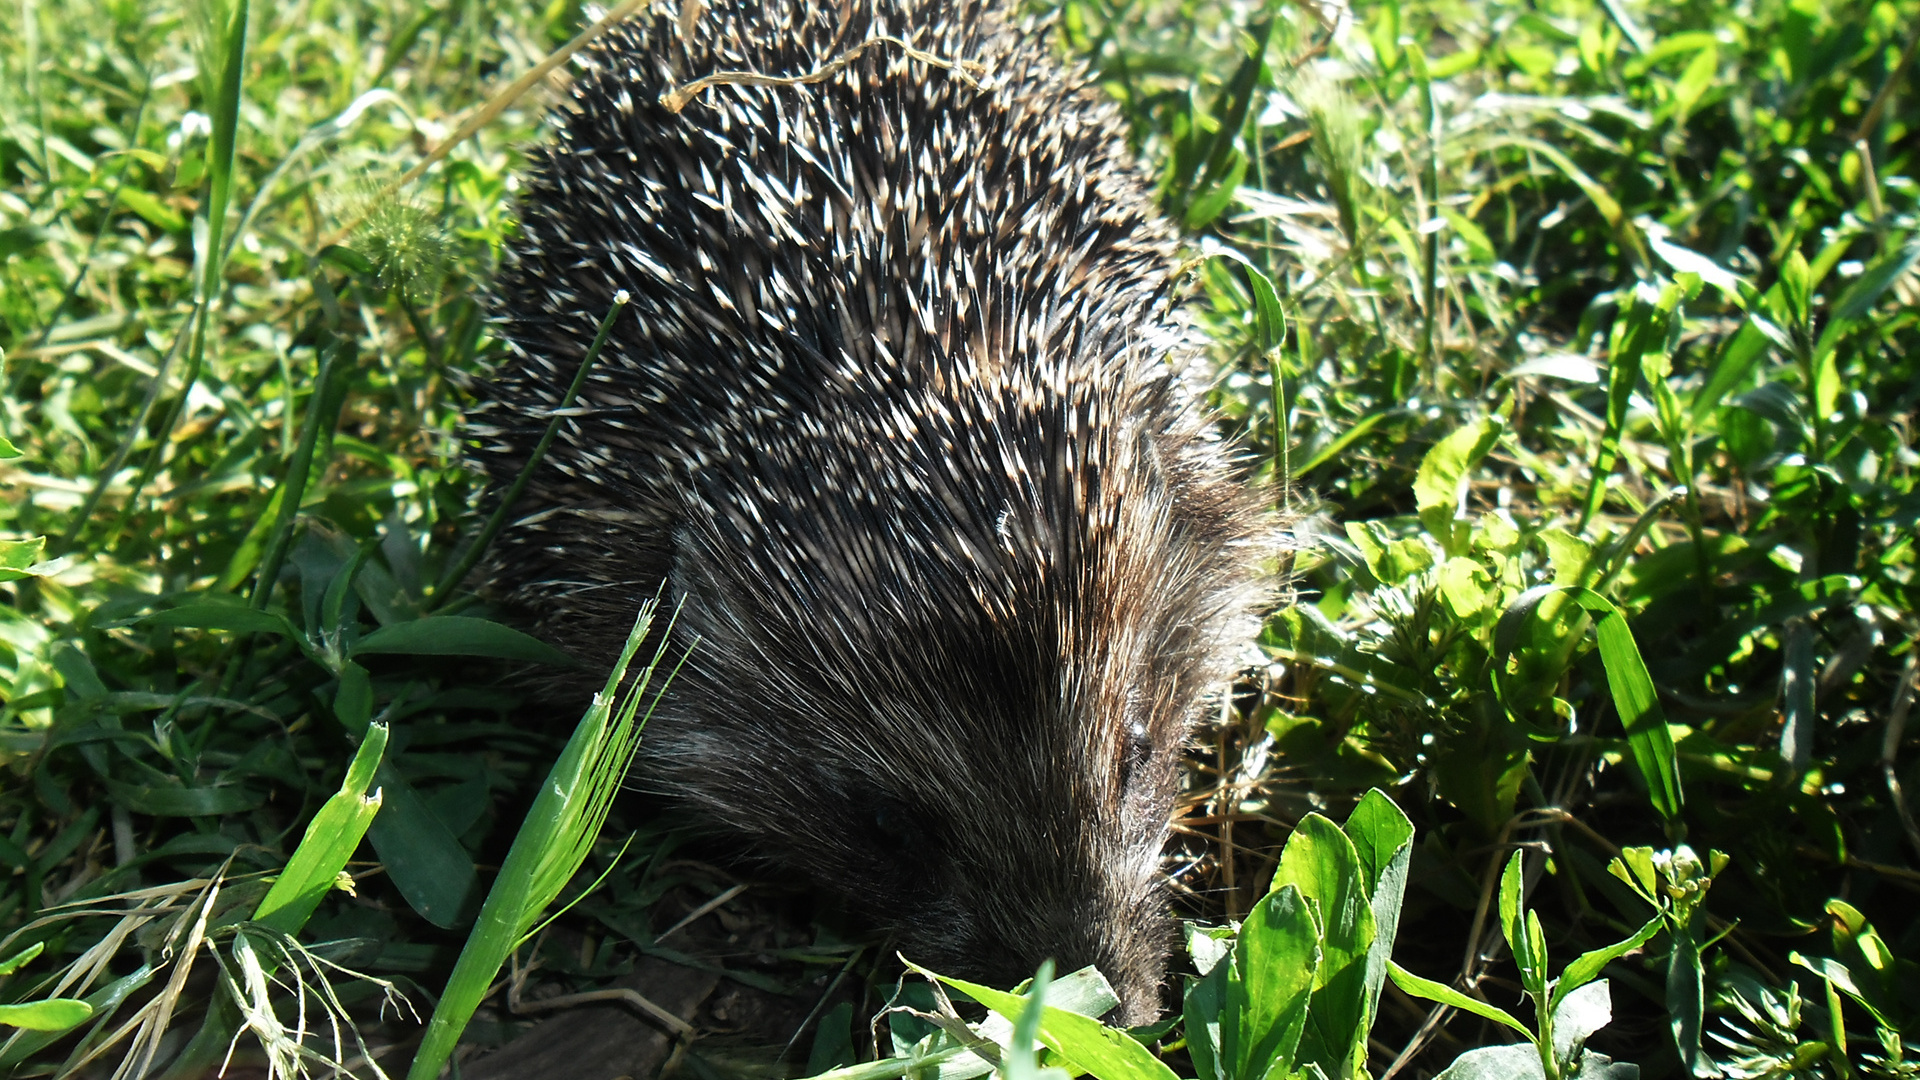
[{"x": 471, "y": 558}]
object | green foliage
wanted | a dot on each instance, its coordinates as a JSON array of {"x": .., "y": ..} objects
[
  {"x": 53, "y": 1014},
  {"x": 1567, "y": 1009},
  {"x": 1596, "y": 394},
  {"x": 551, "y": 846},
  {"x": 1298, "y": 987}
]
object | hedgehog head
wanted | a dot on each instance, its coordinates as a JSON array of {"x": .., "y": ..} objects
[{"x": 960, "y": 709}]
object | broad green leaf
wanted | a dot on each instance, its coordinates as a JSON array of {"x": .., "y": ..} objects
[
  {"x": 1687, "y": 1003},
  {"x": 1086, "y": 992},
  {"x": 1589, "y": 964},
  {"x": 1208, "y": 945},
  {"x": 53, "y": 1014},
  {"x": 1441, "y": 480},
  {"x": 1087, "y": 1044},
  {"x": 832, "y": 1041},
  {"x": 1321, "y": 862},
  {"x": 1390, "y": 560},
  {"x": 330, "y": 840},
  {"x": 426, "y": 861},
  {"x": 1381, "y": 836},
  {"x": 1206, "y": 1015},
  {"x": 1841, "y": 977},
  {"x": 1447, "y": 995},
  {"x": 1514, "y": 1061},
  {"x": 1873, "y": 970},
  {"x": 1276, "y": 961},
  {"x": 1852, "y": 932},
  {"x": 18, "y": 556},
  {"x": 1383, "y": 839},
  {"x": 459, "y": 635},
  {"x": 1466, "y": 587}
]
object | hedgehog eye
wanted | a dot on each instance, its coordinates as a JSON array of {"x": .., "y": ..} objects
[{"x": 1135, "y": 754}]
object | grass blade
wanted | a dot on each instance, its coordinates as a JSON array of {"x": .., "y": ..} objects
[
  {"x": 329, "y": 842},
  {"x": 471, "y": 558},
  {"x": 559, "y": 830}
]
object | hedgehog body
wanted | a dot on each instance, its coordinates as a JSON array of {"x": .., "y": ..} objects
[{"x": 896, "y": 419}]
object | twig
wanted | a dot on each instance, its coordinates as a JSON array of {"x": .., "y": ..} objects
[
  {"x": 634, "y": 998},
  {"x": 1872, "y": 115},
  {"x": 699, "y": 911},
  {"x": 1435, "y": 1020},
  {"x": 1899, "y": 874},
  {"x": 1491, "y": 882},
  {"x": 967, "y": 71},
  {"x": 820, "y": 1004},
  {"x": 1870, "y": 180},
  {"x": 1224, "y": 793}
]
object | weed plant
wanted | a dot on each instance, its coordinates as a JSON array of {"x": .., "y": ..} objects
[{"x": 1577, "y": 342}]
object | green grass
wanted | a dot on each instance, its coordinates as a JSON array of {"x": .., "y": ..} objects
[{"x": 1585, "y": 334}]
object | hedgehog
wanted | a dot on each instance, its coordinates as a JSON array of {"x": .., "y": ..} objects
[{"x": 903, "y": 421}]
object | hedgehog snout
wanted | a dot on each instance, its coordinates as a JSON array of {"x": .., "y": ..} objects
[{"x": 1129, "y": 952}]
